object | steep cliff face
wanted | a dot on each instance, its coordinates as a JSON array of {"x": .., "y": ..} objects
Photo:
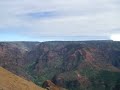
[
  {"x": 73, "y": 65},
  {"x": 13, "y": 56},
  {"x": 67, "y": 56}
]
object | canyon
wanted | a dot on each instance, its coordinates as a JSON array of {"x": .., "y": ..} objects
[{"x": 74, "y": 65}]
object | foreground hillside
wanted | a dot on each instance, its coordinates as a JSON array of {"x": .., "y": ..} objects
[
  {"x": 9, "y": 81},
  {"x": 86, "y": 65}
]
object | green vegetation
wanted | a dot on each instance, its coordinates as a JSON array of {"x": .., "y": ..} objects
[
  {"x": 99, "y": 79},
  {"x": 68, "y": 60},
  {"x": 105, "y": 80}
]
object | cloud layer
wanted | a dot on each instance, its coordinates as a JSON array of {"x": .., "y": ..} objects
[{"x": 60, "y": 17}]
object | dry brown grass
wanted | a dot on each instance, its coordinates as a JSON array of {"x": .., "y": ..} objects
[{"x": 9, "y": 81}]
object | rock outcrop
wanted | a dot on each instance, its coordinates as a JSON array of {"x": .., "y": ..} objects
[{"x": 49, "y": 85}]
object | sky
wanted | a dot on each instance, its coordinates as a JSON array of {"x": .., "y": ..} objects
[{"x": 48, "y": 20}]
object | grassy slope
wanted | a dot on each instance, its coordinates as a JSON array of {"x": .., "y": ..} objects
[{"x": 9, "y": 81}]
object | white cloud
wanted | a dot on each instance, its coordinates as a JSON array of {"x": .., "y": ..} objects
[{"x": 71, "y": 18}]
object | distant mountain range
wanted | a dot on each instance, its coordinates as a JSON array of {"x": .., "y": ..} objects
[{"x": 74, "y": 65}]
